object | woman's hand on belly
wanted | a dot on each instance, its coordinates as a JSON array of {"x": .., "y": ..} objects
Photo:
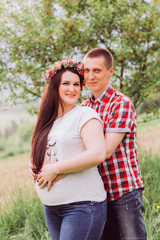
[{"x": 47, "y": 175}]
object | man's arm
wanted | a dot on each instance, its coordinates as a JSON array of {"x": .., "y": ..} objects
[
  {"x": 121, "y": 118},
  {"x": 112, "y": 140}
]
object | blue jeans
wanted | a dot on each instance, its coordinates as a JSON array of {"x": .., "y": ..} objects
[
  {"x": 125, "y": 219},
  {"x": 76, "y": 221}
]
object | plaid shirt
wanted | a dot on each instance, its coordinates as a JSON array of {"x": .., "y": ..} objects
[{"x": 121, "y": 173}]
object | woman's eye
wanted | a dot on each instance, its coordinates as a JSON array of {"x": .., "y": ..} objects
[{"x": 65, "y": 83}]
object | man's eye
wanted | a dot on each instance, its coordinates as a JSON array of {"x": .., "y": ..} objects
[
  {"x": 86, "y": 70},
  {"x": 97, "y": 70},
  {"x": 76, "y": 84}
]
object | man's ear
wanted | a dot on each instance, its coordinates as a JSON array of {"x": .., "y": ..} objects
[{"x": 112, "y": 69}]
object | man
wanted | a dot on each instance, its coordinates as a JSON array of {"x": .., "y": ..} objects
[{"x": 120, "y": 172}]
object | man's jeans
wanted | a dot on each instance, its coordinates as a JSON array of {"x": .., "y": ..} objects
[
  {"x": 76, "y": 221},
  {"x": 125, "y": 219}
]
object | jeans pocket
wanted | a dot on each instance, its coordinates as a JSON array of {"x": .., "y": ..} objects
[{"x": 138, "y": 197}]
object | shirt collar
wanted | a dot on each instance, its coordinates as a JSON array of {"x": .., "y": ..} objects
[{"x": 104, "y": 97}]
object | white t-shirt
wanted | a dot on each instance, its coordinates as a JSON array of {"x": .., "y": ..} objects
[{"x": 65, "y": 142}]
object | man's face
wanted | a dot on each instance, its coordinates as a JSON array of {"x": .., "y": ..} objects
[{"x": 96, "y": 75}]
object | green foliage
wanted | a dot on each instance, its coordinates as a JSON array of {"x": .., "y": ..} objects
[
  {"x": 150, "y": 108},
  {"x": 150, "y": 105},
  {"x": 34, "y": 34},
  {"x": 130, "y": 30},
  {"x": 30, "y": 42}
]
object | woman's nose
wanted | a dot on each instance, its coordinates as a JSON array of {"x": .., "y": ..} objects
[{"x": 71, "y": 87}]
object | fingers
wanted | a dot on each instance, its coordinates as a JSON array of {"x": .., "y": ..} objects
[
  {"x": 32, "y": 174},
  {"x": 59, "y": 177},
  {"x": 34, "y": 179},
  {"x": 42, "y": 183},
  {"x": 49, "y": 186}
]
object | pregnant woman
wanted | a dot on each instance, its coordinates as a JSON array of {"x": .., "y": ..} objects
[{"x": 68, "y": 140}]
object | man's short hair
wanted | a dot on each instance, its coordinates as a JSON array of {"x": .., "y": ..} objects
[{"x": 101, "y": 52}]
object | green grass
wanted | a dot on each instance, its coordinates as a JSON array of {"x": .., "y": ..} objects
[
  {"x": 23, "y": 218},
  {"x": 150, "y": 167}
]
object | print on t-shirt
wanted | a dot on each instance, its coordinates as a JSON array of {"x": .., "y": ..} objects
[{"x": 51, "y": 150}]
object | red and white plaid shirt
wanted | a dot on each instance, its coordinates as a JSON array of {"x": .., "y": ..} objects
[{"x": 121, "y": 173}]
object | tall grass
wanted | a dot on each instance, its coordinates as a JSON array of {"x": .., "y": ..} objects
[
  {"x": 150, "y": 167},
  {"x": 23, "y": 218}
]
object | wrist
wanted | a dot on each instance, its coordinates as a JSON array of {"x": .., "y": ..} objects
[{"x": 55, "y": 168}]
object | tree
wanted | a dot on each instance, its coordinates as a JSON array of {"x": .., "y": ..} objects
[
  {"x": 35, "y": 34},
  {"x": 131, "y": 31}
]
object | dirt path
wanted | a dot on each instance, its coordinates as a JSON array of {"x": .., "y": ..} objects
[{"x": 14, "y": 174}]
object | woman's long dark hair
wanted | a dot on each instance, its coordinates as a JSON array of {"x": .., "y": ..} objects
[{"x": 47, "y": 114}]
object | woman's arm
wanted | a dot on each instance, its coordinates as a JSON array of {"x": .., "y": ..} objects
[{"x": 93, "y": 137}]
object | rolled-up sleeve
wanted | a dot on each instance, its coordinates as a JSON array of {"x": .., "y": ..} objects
[{"x": 121, "y": 118}]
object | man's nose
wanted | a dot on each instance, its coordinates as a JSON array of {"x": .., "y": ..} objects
[{"x": 90, "y": 75}]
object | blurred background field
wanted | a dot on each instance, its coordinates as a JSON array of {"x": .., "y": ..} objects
[
  {"x": 148, "y": 136},
  {"x": 16, "y": 127}
]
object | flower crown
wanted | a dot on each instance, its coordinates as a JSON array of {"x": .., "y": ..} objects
[{"x": 64, "y": 64}]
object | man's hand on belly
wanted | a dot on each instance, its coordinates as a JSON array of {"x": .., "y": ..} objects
[{"x": 59, "y": 177}]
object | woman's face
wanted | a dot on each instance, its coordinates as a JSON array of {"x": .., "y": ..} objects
[{"x": 69, "y": 89}]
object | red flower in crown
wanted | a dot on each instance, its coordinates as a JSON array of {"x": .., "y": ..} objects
[{"x": 70, "y": 63}]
